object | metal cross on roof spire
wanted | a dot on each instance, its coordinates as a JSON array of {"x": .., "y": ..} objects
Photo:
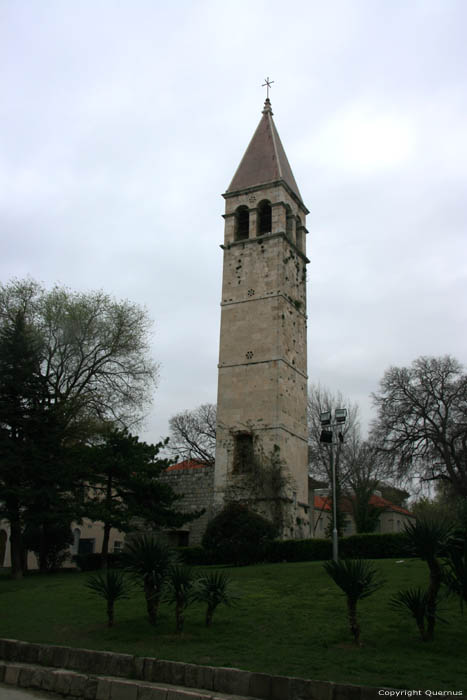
[{"x": 267, "y": 85}]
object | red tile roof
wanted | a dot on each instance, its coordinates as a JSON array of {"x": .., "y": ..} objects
[
  {"x": 186, "y": 464},
  {"x": 321, "y": 503},
  {"x": 380, "y": 502}
]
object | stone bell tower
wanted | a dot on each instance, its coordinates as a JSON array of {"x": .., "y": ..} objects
[{"x": 262, "y": 387}]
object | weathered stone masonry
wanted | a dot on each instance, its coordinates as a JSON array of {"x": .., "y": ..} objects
[
  {"x": 262, "y": 381},
  {"x": 262, "y": 386},
  {"x": 104, "y": 675},
  {"x": 195, "y": 482}
]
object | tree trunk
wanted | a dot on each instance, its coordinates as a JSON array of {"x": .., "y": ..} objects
[
  {"x": 43, "y": 550},
  {"x": 24, "y": 559},
  {"x": 209, "y": 615},
  {"x": 354, "y": 626},
  {"x": 179, "y": 617},
  {"x": 110, "y": 613},
  {"x": 422, "y": 630},
  {"x": 16, "y": 548},
  {"x": 432, "y": 596},
  {"x": 105, "y": 546},
  {"x": 107, "y": 526},
  {"x": 152, "y": 603}
]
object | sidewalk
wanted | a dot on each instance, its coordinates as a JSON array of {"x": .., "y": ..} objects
[{"x": 9, "y": 693}]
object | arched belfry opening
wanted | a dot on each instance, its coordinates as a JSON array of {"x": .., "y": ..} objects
[
  {"x": 264, "y": 217},
  {"x": 242, "y": 223}
]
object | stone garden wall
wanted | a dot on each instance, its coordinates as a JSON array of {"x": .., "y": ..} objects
[{"x": 102, "y": 675}]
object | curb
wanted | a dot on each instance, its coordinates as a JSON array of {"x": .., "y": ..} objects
[{"x": 103, "y": 675}]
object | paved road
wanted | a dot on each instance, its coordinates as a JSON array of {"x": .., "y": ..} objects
[{"x": 8, "y": 692}]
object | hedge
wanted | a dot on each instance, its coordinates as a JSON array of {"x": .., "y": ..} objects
[
  {"x": 193, "y": 556},
  {"x": 299, "y": 550},
  {"x": 373, "y": 546},
  {"x": 365, "y": 546},
  {"x": 238, "y": 535},
  {"x": 92, "y": 561}
]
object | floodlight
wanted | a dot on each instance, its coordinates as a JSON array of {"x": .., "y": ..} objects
[
  {"x": 326, "y": 436},
  {"x": 325, "y": 418},
  {"x": 340, "y": 415}
]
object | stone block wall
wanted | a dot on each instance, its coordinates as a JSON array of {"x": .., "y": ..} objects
[
  {"x": 196, "y": 484},
  {"x": 102, "y": 675}
]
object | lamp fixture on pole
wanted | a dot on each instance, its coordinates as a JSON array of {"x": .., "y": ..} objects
[{"x": 330, "y": 426}]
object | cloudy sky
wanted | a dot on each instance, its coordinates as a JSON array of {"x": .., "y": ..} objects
[{"x": 121, "y": 124}]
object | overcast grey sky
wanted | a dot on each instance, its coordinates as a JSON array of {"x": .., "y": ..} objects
[{"x": 123, "y": 122}]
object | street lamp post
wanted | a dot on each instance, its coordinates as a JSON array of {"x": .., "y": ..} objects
[{"x": 331, "y": 425}]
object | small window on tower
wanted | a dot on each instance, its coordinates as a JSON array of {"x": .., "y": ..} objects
[
  {"x": 243, "y": 452},
  {"x": 264, "y": 218},
  {"x": 242, "y": 223}
]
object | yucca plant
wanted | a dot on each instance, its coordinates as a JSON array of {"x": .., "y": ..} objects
[
  {"x": 112, "y": 586},
  {"x": 428, "y": 539},
  {"x": 413, "y": 600},
  {"x": 357, "y": 579},
  {"x": 179, "y": 591},
  {"x": 149, "y": 560},
  {"x": 454, "y": 573},
  {"x": 213, "y": 589}
]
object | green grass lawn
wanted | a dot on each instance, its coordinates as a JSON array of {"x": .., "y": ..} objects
[{"x": 291, "y": 620}]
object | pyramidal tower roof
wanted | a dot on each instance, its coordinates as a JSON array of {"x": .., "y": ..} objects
[{"x": 264, "y": 160}]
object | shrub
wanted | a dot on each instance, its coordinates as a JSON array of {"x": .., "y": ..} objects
[
  {"x": 149, "y": 561},
  {"x": 179, "y": 591},
  {"x": 299, "y": 550},
  {"x": 50, "y": 543},
  {"x": 214, "y": 589},
  {"x": 193, "y": 556},
  {"x": 429, "y": 539},
  {"x": 454, "y": 573},
  {"x": 112, "y": 586},
  {"x": 238, "y": 536},
  {"x": 364, "y": 546},
  {"x": 414, "y": 601},
  {"x": 357, "y": 580},
  {"x": 92, "y": 561},
  {"x": 375, "y": 546}
]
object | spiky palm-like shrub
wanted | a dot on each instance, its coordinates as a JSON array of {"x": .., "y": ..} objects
[
  {"x": 428, "y": 538},
  {"x": 214, "y": 589},
  {"x": 454, "y": 573},
  {"x": 357, "y": 579},
  {"x": 112, "y": 586},
  {"x": 149, "y": 560},
  {"x": 413, "y": 600},
  {"x": 179, "y": 591}
]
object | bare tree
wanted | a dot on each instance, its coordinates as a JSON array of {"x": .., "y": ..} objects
[
  {"x": 321, "y": 400},
  {"x": 358, "y": 464},
  {"x": 193, "y": 434},
  {"x": 364, "y": 469},
  {"x": 422, "y": 420}
]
